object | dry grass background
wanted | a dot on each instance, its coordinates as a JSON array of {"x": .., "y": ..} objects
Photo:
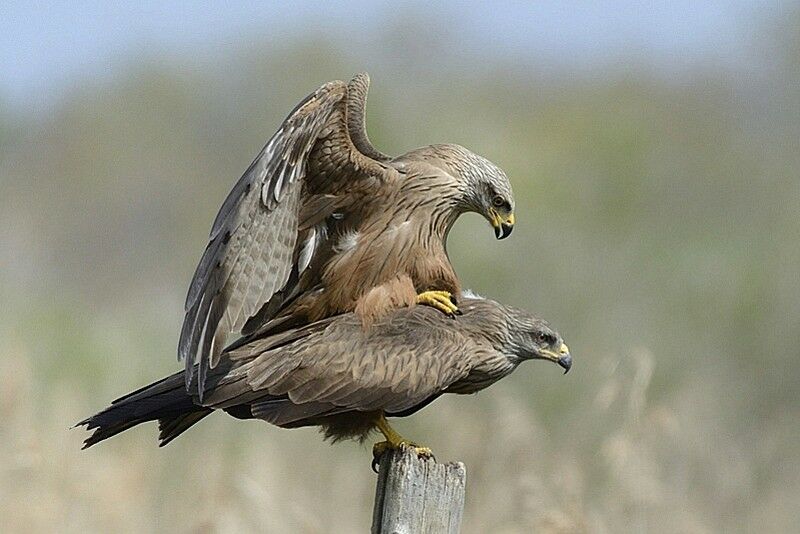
[{"x": 659, "y": 216}]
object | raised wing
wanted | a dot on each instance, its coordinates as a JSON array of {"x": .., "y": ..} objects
[{"x": 258, "y": 240}]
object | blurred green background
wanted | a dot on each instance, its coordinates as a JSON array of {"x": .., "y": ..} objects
[{"x": 656, "y": 165}]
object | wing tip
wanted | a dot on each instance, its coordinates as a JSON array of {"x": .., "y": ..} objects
[
  {"x": 360, "y": 78},
  {"x": 357, "y": 91}
]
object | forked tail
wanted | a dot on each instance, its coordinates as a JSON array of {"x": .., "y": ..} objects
[{"x": 165, "y": 401}]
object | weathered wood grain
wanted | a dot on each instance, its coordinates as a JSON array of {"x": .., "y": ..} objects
[{"x": 417, "y": 495}]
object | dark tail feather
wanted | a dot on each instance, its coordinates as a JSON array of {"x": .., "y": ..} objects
[
  {"x": 172, "y": 427},
  {"x": 166, "y": 401}
]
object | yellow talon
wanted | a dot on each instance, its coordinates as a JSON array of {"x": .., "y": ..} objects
[
  {"x": 394, "y": 441},
  {"x": 441, "y": 300}
]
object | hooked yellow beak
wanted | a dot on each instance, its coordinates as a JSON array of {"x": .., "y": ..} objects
[
  {"x": 562, "y": 358},
  {"x": 502, "y": 226}
]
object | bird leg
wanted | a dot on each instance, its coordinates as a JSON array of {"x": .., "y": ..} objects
[
  {"x": 394, "y": 441},
  {"x": 444, "y": 301}
]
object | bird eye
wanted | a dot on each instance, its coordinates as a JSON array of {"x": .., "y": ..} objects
[
  {"x": 542, "y": 337},
  {"x": 498, "y": 201}
]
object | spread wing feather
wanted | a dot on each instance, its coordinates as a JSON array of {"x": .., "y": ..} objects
[{"x": 260, "y": 235}]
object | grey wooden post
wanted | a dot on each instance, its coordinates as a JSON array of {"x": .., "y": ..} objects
[{"x": 416, "y": 495}]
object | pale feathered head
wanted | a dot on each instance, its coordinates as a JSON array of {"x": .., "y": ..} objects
[{"x": 483, "y": 186}]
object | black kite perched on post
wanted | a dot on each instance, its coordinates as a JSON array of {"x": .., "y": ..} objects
[
  {"x": 335, "y": 374},
  {"x": 322, "y": 223}
]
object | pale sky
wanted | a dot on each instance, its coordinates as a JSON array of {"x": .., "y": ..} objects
[{"x": 45, "y": 45}]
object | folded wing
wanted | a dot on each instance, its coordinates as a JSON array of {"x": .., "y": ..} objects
[{"x": 337, "y": 367}]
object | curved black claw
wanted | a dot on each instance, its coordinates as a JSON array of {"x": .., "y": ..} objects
[
  {"x": 378, "y": 450},
  {"x": 376, "y": 462}
]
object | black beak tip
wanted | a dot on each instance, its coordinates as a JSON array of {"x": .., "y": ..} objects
[
  {"x": 503, "y": 231},
  {"x": 565, "y": 361}
]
